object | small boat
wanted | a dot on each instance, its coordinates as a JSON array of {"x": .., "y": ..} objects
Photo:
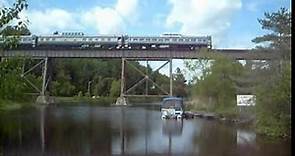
[{"x": 172, "y": 108}]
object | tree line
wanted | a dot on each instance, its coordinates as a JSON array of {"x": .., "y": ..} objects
[{"x": 269, "y": 80}]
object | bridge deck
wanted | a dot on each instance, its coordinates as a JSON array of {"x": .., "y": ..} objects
[{"x": 149, "y": 54}]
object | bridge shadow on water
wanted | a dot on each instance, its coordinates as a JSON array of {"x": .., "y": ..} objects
[{"x": 132, "y": 130}]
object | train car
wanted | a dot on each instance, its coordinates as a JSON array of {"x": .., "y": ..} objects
[
  {"x": 79, "y": 41},
  {"x": 168, "y": 41}
]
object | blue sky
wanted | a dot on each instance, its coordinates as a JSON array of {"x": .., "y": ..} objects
[{"x": 231, "y": 23}]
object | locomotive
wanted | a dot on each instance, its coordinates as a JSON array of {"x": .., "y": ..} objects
[{"x": 78, "y": 40}]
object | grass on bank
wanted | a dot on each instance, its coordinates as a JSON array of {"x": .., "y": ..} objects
[{"x": 8, "y": 105}]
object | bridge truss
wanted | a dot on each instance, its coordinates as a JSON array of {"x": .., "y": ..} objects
[{"x": 128, "y": 56}]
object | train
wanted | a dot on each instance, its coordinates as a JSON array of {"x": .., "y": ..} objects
[{"x": 78, "y": 40}]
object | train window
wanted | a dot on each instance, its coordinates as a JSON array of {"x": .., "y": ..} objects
[
  {"x": 141, "y": 39},
  {"x": 180, "y": 40},
  {"x": 84, "y": 39},
  {"x": 135, "y": 39},
  {"x": 154, "y": 39},
  {"x": 53, "y": 39},
  {"x": 89, "y": 39},
  {"x": 193, "y": 40},
  {"x": 161, "y": 40},
  {"x": 186, "y": 40},
  {"x": 147, "y": 39},
  {"x": 167, "y": 39},
  {"x": 174, "y": 39},
  {"x": 109, "y": 39},
  {"x": 41, "y": 39}
]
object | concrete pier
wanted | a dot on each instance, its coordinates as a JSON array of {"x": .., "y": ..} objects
[{"x": 121, "y": 101}]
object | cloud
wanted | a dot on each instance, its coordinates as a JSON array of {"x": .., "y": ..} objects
[
  {"x": 50, "y": 20},
  {"x": 104, "y": 20},
  {"x": 126, "y": 7},
  {"x": 203, "y": 17},
  {"x": 111, "y": 20}
]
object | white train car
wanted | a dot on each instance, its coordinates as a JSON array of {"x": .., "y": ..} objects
[
  {"x": 77, "y": 40},
  {"x": 175, "y": 41}
]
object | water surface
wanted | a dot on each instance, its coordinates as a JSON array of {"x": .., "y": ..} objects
[{"x": 92, "y": 130}]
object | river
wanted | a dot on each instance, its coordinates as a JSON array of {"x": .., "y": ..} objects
[{"x": 136, "y": 130}]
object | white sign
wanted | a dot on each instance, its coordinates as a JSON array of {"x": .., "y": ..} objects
[{"x": 246, "y": 100}]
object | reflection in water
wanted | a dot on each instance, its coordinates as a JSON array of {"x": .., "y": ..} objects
[
  {"x": 172, "y": 128},
  {"x": 42, "y": 128},
  {"x": 245, "y": 137},
  {"x": 89, "y": 130}
]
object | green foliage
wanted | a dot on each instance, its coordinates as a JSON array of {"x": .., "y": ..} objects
[
  {"x": 179, "y": 86},
  {"x": 14, "y": 31},
  {"x": 115, "y": 88},
  {"x": 279, "y": 24},
  {"x": 8, "y": 33},
  {"x": 273, "y": 105},
  {"x": 71, "y": 76},
  {"x": 217, "y": 85},
  {"x": 11, "y": 84},
  {"x": 9, "y": 14}
]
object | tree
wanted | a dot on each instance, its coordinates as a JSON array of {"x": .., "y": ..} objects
[
  {"x": 9, "y": 14},
  {"x": 11, "y": 85},
  {"x": 279, "y": 23},
  {"x": 179, "y": 84},
  {"x": 115, "y": 88},
  {"x": 13, "y": 31},
  {"x": 273, "y": 106}
]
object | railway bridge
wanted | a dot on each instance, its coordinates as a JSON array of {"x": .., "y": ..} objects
[{"x": 126, "y": 56}]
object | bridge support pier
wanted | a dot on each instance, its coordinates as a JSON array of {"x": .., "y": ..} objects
[
  {"x": 147, "y": 77},
  {"x": 42, "y": 98},
  {"x": 122, "y": 99}
]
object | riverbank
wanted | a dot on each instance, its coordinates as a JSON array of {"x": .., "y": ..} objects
[
  {"x": 242, "y": 116},
  {"x": 102, "y": 101},
  {"x": 8, "y": 105},
  {"x": 236, "y": 115},
  {"x": 105, "y": 101}
]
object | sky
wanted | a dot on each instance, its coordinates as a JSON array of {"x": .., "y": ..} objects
[{"x": 231, "y": 23}]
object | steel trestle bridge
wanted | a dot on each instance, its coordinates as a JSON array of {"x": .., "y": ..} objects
[{"x": 126, "y": 56}]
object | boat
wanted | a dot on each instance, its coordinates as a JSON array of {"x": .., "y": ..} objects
[{"x": 172, "y": 108}]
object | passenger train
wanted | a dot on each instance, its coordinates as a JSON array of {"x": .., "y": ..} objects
[{"x": 77, "y": 40}]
